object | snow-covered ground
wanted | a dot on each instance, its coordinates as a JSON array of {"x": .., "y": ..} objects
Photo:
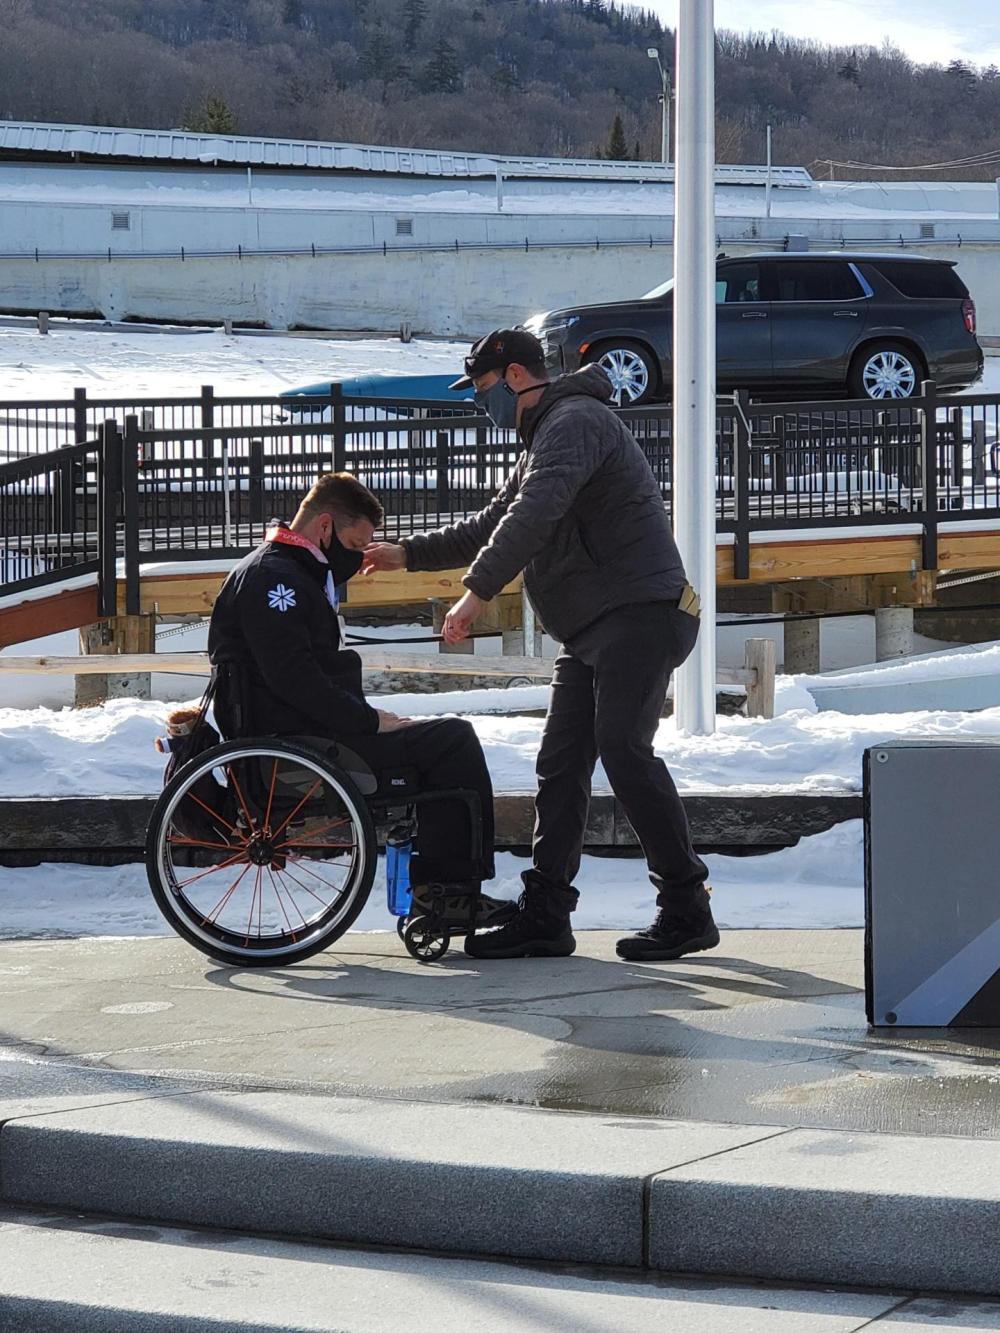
[
  {"x": 817, "y": 884},
  {"x": 174, "y": 363},
  {"x": 109, "y": 750}
]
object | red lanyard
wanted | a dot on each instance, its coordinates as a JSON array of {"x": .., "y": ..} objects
[{"x": 286, "y": 537}]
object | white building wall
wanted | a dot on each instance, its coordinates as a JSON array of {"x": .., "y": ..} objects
[{"x": 573, "y": 232}]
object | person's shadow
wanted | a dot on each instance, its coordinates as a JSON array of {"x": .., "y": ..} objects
[{"x": 707, "y": 1037}]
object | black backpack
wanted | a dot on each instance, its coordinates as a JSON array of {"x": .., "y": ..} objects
[{"x": 208, "y": 811}]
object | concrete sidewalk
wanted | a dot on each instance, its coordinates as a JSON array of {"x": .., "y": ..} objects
[{"x": 740, "y": 1118}]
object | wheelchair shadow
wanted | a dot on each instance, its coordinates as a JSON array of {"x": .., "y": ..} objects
[{"x": 584, "y": 1001}]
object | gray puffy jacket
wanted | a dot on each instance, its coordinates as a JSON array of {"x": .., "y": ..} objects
[{"x": 581, "y": 515}]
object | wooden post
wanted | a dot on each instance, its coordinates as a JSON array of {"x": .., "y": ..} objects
[
  {"x": 760, "y": 658},
  {"x": 119, "y": 634},
  {"x": 439, "y": 609}
]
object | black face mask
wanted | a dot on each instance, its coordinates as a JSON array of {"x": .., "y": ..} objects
[{"x": 344, "y": 564}]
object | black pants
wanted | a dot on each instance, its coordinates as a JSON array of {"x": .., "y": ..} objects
[
  {"x": 440, "y": 753},
  {"x": 608, "y": 690}
]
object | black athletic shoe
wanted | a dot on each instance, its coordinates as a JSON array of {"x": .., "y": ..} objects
[
  {"x": 672, "y": 936},
  {"x": 452, "y": 903},
  {"x": 540, "y": 929}
]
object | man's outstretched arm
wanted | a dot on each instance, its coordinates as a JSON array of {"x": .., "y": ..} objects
[{"x": 445, "y": 548}]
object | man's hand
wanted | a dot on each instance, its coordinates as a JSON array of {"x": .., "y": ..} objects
[
  {"x": 383, "y": 555},
  {"x": 460, "y": 619},
  {"x": 390, "y": 722}
]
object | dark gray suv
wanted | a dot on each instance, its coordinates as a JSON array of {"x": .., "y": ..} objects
[{"x": 801, "y": 325}]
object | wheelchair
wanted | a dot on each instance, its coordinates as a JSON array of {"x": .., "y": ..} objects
[{"x": 261, "y": 852}]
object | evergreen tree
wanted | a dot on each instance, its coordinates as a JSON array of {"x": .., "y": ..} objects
[
  {"x": 214, "y": 116},
  {"x": 292, "y": 13},
  {"x": 376, "y": 56},
  {"x": 414, "y": 13},
  {"x": 443, "y": 74},
  {"x": 849, "y": 69},
  {"x": 963, "y": 76},
  {"x": 616, "y": 149}
]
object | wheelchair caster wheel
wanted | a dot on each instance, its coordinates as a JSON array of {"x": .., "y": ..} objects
[
  {"x": 425, "y": 940},
  {"x": 401, "y": 926}
]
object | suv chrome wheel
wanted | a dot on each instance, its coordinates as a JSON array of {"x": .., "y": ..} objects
[
  {"x": 629, "y": 373},
  {"x": 889, "y": 374}
]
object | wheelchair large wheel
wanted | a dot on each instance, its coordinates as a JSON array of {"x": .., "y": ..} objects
[{"x": 280, "y": 873}]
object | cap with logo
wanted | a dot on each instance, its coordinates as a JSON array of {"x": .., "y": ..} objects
[{"x": 497, "y": 351}]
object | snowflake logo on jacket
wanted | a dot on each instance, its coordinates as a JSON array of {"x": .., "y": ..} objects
[{"x": 281, "y": 598}]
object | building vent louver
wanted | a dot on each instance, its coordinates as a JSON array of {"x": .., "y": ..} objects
[
  {"x": 404, "y": 226},
  {"x": 120, "y": 222}
]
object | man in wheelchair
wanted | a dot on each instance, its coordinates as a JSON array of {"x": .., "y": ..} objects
[{"x": 277, "y": 643}]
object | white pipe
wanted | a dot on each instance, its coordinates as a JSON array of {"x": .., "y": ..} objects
[
  {"x": 499, "y": 188},
  {"x": 694, "y": 349},
  {"x": 250, "y": 185},
  {"x": 767, "y": 187}
]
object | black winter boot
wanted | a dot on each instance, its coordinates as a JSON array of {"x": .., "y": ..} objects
[
  {"x": 673, "y": 934},
  {"x": 541, "y": 928}
]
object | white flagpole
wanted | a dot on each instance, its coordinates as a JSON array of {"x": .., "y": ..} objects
[{"x": 694, "y": 349}]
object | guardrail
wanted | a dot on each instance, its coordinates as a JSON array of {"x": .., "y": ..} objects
[
  {"x": 183, "y": 489},
  {"x": 756, "y": 676}
]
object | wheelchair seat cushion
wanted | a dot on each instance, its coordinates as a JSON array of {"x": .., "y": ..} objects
[{"x": 338, "y": 754}]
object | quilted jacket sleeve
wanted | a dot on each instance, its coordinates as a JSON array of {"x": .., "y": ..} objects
[{"x": 567, "y": 450}]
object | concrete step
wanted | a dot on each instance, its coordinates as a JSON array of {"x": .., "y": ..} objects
[
  {"x": 759, "y": 1202},
  {"x": 67, "y": 1274}
]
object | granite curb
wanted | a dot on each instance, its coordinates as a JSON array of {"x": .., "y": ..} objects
[{"x": 750, "y": 1201}]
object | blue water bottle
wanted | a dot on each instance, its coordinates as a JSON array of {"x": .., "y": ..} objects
[{"x": 398, "y": 848}]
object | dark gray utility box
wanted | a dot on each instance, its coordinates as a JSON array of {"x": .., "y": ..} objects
[{"x": 932, "y": 884}]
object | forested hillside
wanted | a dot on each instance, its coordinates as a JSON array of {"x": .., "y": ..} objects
[{"x": 513, "y": 76}]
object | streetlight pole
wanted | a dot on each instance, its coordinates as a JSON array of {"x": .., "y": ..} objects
[
  {"x": 694, "y": 350},
  {"x": 654, "y": 54}
]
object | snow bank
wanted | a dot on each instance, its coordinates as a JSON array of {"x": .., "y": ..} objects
[
  {"x": 109, "y": 750},
  {"x": 817, "y": 884}
]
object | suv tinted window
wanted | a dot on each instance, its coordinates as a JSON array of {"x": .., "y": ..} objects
[
  {"x": 737, "y": 282},
  {"x": 810, "y": 280},
  {"x": 913, "y": 278}
]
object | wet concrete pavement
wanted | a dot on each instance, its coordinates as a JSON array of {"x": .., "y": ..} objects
[{"x": 769, "y": 1029}]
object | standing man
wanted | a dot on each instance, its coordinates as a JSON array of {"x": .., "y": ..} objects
[
  {"x": 283, "y": 670},
  {"x": 582, "y": 516}
]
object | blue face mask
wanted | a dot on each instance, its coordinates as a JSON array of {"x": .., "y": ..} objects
[{"x": 499, "y": 402}]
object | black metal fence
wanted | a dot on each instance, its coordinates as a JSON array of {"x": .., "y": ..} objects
[{"x": 183, "y": 489}]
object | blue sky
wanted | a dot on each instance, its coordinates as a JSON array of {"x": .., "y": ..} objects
[{"x": 927, "y": 30}]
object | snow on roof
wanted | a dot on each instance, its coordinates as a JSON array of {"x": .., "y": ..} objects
[{"x": 229, "y": 149}]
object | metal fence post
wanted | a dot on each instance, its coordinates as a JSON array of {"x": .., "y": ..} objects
[
  {"x": 442, "y": 452},
  {"x": 80, "y": 415},
  {"x": 207, "y": 417},
  {"x": 339, "y": 412},
  {"x": 957, "y": 447},
  {"x": 108, "y": 468},
  {"x": 979, "y": 452},
  {"x": 741, "y": 486},
  {"x": 130, "y": 513},
  {"x": 256, "y": 481},
  {"x": 929, "y": 468}
]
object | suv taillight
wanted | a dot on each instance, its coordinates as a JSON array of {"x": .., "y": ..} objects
[{"x": 969, "y": 314}]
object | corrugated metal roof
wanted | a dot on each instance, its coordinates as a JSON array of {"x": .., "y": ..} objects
[{"x": 305, "y": 154}]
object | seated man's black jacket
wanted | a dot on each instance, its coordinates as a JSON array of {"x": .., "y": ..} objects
[{"x": 272, "y": 622}]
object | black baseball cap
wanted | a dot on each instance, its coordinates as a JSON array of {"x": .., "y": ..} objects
[{"x": 497, "y": 351}]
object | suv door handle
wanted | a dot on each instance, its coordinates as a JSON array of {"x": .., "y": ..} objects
[
  {"x": 754, "y": 314},
  {"x": 845, "y": 314}
]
